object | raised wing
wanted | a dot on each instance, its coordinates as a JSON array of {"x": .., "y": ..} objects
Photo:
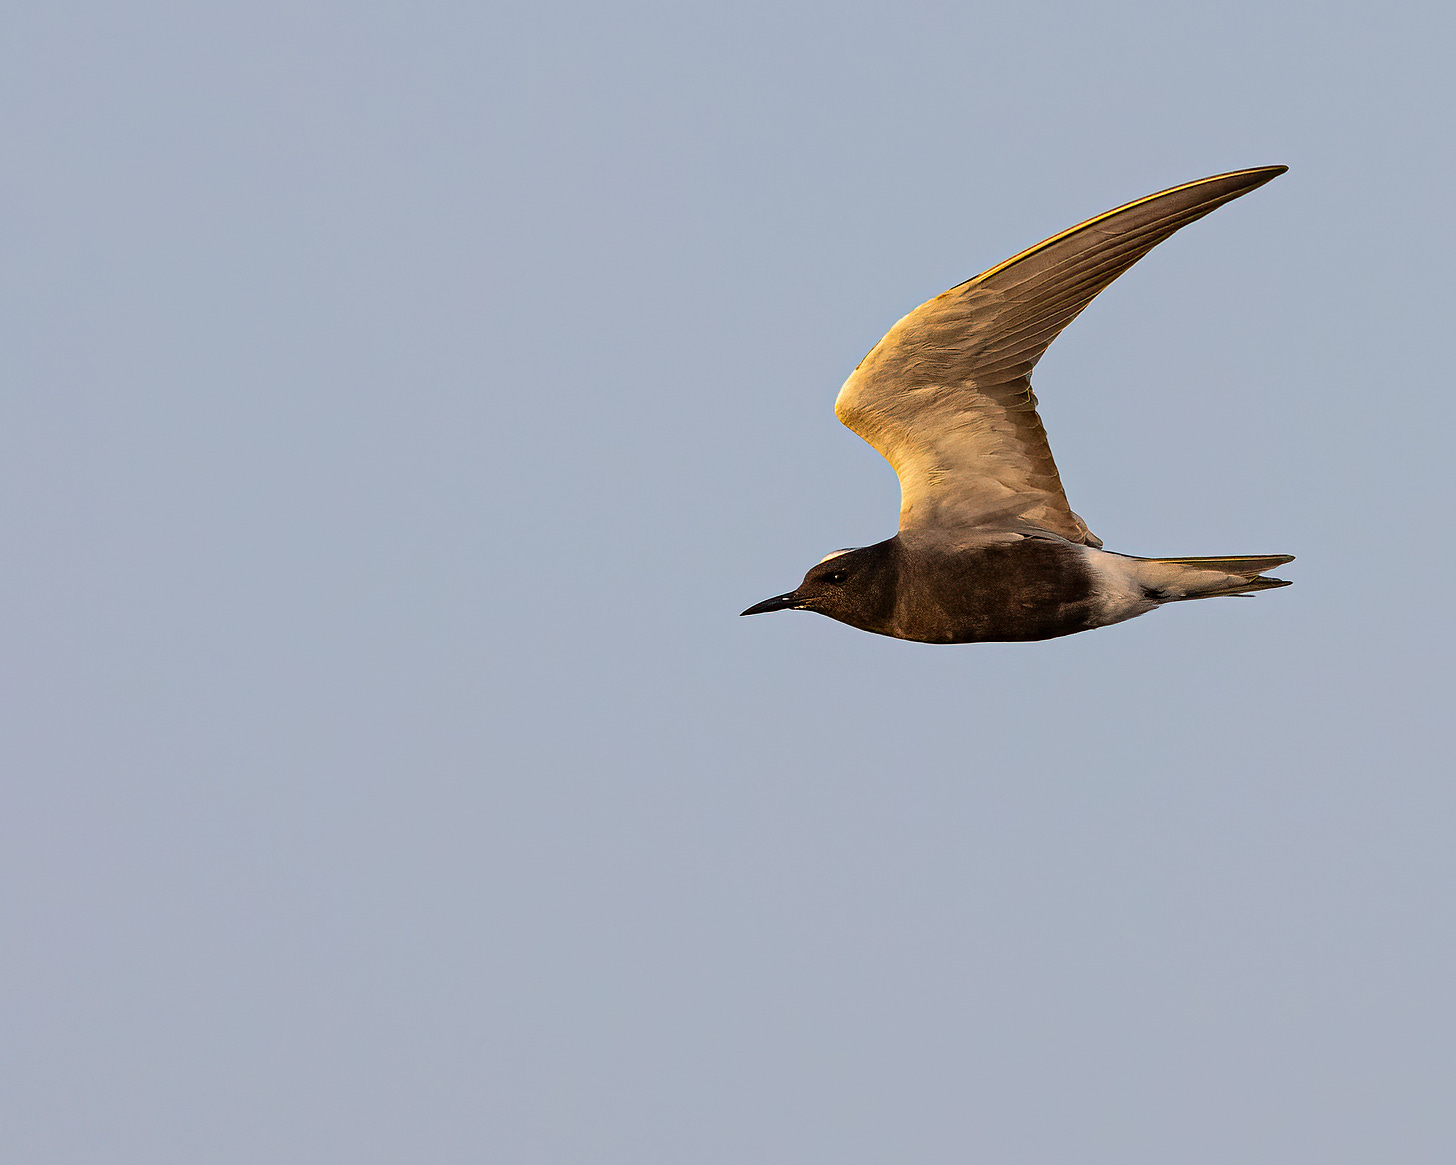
[{"x": 946, "y": 395}]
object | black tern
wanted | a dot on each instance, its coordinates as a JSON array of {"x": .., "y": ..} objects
[{"x": 988, "y": 548}]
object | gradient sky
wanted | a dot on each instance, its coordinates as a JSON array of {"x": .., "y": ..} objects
[{"x": 401, "y": 401}]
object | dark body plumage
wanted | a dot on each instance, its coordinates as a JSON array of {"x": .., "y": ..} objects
[
  {"x": 988, "y": 547},
  {"x": 1012, "y": 591}
]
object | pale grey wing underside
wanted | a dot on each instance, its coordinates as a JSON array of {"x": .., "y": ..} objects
[{"x": 946, "y": 395}]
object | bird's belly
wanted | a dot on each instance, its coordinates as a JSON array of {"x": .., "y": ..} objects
[{"x": 1014, "y": 592}]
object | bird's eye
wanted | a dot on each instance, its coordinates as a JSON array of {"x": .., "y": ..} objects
[{"x": 838, "y": 576}]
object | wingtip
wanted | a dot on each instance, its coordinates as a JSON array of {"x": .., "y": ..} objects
[
  {"x": 1242, "y": 180},
  {"x": 1234, "y": 184},
  {"x": 1253, "y": 177},
  {"x": 1269, "y": 173}
]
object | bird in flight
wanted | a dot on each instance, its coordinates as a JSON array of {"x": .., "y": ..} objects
[{"x": 988, "y": 548}]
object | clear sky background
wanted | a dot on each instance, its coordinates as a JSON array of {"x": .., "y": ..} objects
[{"x": 401, "y": 401}]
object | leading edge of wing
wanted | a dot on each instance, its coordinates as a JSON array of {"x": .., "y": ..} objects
[{"x": 1254, "y": 177}]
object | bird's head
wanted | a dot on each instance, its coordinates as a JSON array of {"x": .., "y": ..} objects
[{"x": 846, "y": 585}]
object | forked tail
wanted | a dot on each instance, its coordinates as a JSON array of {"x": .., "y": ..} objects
[{"x": 1173, "y": 580}]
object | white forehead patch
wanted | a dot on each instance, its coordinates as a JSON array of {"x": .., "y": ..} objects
[{"x": 836, "y": 554}]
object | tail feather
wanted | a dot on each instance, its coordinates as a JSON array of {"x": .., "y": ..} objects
[
  {"x": 1241, "y": 587},
  {"x": 1177, "y": 579},
  {"x": 1247, "y": 564}
]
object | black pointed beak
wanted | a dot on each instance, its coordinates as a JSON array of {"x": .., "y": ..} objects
[{"x": 777, "y": 603}]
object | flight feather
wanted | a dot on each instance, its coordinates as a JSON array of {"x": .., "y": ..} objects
[{"x": 946, "y": 396}]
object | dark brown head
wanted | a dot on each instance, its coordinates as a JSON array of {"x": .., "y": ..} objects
[{"x": 854, "y": 586}]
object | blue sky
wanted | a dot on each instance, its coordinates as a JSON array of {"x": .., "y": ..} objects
[{"x": 402, "y": 401}]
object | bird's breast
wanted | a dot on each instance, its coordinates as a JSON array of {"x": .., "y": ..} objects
[{"x": 1014, "y": 591}]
